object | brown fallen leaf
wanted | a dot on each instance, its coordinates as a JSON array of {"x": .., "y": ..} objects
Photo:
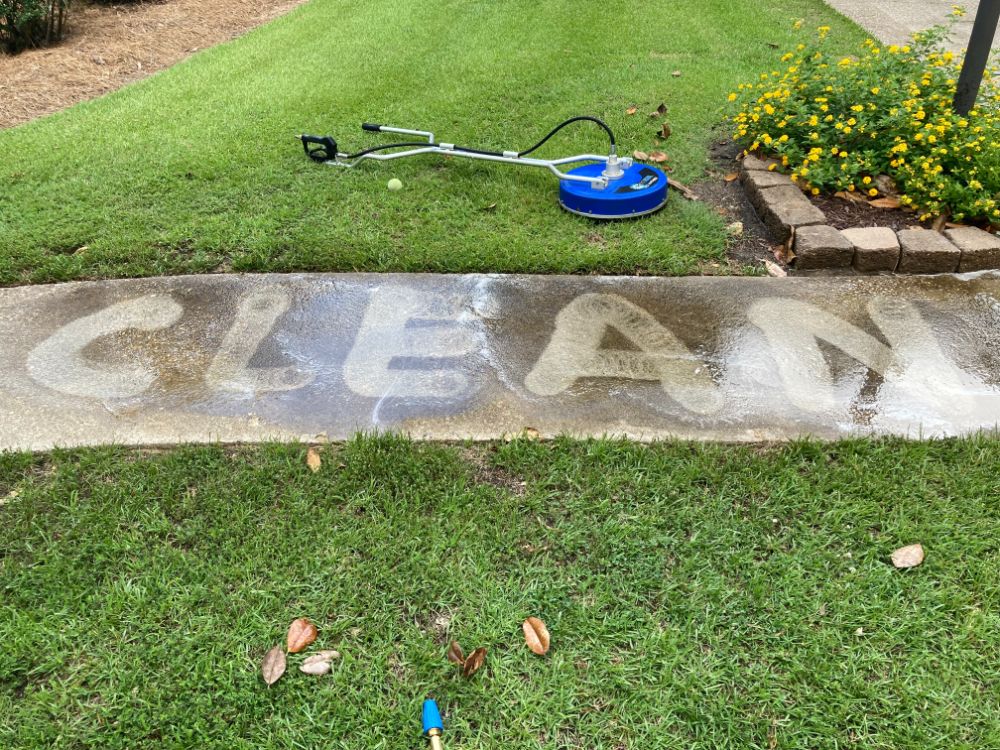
[
  {"x": 273, "y": 665},
  {"x": 732, "y": 176},
  {"x": 850, "y": 197},
  {"x": 659, "y": 111},
  {"x": 658, "y": 156},
  {"x": 530, "y": 433},
  {"x": 888, "y": 203},
  {"x": 640, "y": 156},
  {"x": 684, "y": 190},
  {"x": 474, "y": 663},
  {"x": 536, "y": 635},
  {"x": 908, "y": 557},
  {"x": 316, "y": 665},
  {"x": 665, "y": 131},
  {"x": 455, "y": 654},
  {"x": 301, "y": 633},
  {"x": 773, "y": 269},
  {"x": 313, "y": 461},
  {"x": 631, "y": 110}
]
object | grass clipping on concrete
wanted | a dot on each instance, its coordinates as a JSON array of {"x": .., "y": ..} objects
[
  {"x": 198, "y": 168},
  {"x": 697, "y": 596}
]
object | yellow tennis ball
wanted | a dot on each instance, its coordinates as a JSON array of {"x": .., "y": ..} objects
[{"x": 395, "y": 184}]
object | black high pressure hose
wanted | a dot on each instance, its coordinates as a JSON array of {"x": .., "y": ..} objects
[{"x": 556, "y": 129}]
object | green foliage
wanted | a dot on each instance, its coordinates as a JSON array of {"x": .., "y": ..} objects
[
  {"x": 29, "y": 23},
  {"x": 837, "y": 123}
]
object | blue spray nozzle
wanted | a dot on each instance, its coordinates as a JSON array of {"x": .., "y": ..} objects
[{"x": 431, "y": 716}]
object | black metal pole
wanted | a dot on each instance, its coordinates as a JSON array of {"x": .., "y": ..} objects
[{"x": 977, "y": 55}]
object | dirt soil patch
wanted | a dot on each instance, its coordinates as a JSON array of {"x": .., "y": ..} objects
[
  {"x": 844, "y": 214},
  {"x": 749, "y": 242},
  {"x": 109, "y": 46}
]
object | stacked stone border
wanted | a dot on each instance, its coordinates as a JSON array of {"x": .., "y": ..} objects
[{"x": 794, "y": 220}]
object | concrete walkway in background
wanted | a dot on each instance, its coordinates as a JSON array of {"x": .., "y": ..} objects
[
  {"x": 893, "y": 21},
  {"x": 248, "y": 358}
]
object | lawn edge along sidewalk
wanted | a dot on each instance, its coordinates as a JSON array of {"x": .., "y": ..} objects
[{"x": 795, "y": 221}]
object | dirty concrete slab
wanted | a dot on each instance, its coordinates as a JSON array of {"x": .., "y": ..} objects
[
  {"x": 261, "y": 357},
  {"x": 895, "y": 21}
]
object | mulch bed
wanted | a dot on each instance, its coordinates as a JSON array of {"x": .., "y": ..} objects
[
  {"x": 844, "y": 214},
  {"x": 109, "y": 46}
]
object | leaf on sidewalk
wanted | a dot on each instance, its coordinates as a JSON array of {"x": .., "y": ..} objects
[{"x": 313, "y": 460}]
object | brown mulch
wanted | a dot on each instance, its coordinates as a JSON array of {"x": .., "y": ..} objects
[
  {"x": 109, "y": 46},
  {"x": 844, "y": 214}
]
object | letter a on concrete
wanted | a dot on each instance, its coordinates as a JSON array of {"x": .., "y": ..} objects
[{"x": 574, "y": 352}]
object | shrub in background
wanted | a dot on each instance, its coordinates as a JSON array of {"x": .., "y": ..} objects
[
  {"x": 30, "y": 23},
  {"x": 839, "y": 123}
]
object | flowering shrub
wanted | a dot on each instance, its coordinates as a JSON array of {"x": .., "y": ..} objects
[{"x": 838, "y": 123}]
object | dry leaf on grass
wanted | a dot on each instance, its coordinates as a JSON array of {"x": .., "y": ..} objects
[
  {"x": 665, "y": 131},
  {"x": 684, "y": 190},
  {"x": 313, "y": 461},
  {"x": 676, "y": 74},
  {"x": 455, "y": 654},
  {"x": 732, "y": 176},
  {"x": 301, "y": 633},
  {"x": 318, "y": 664},
  {"x": 273, "y": 665},
  {"x": 659, "y": 111},
  {"x": 631, "y": 110},
  {"x": 658, "y": 156},
  {"x": 474, "y": 663},
  {"x": 640, "y": 155},
  {"x": 908, "y": 557},
  {"x": 536, "y": 635}
]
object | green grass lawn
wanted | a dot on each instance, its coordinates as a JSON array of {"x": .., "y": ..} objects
[
  {"x": 698, "y": 596},
  {"x": 197, "y": 169}
]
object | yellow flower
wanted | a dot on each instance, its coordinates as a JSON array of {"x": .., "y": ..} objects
[
  {"x": 858, "y": 108},
  {"x": 815, "y": 191},
  {"x": 771, "y": 167},
  {"x": 875, "y": 90},
  {"x": 873, "y": 192},
  {"x": 732, "y": 97},
  {"x": 867, "y": 180}
]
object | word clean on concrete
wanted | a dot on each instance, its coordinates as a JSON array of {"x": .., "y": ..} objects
[{"x": 248, "y": 358}]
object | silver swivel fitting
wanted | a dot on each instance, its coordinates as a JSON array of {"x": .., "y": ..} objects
[{"x": 613, "y": 167}]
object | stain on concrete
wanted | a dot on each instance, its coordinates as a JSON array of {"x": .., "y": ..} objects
[{"x": 247, "y": 357}]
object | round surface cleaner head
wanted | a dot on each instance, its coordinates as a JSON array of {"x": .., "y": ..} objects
[{"x": 640, "y": 191}]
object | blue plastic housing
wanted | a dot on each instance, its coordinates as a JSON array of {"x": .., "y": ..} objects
[
  {"x": 431, "y": 716},
  {"x": 640, "y": 191}
]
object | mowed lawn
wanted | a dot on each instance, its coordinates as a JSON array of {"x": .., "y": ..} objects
[
  {"x": 198, "y": 169},
  {"x": 698, "y": 596}
]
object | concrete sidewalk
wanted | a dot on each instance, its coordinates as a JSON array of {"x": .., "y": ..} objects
[
  {"x": 893, "y": 21},
  {"x": 248, "y": 358}
]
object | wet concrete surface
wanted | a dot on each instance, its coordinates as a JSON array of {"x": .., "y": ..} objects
[{"x": 249, "y": 358}]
